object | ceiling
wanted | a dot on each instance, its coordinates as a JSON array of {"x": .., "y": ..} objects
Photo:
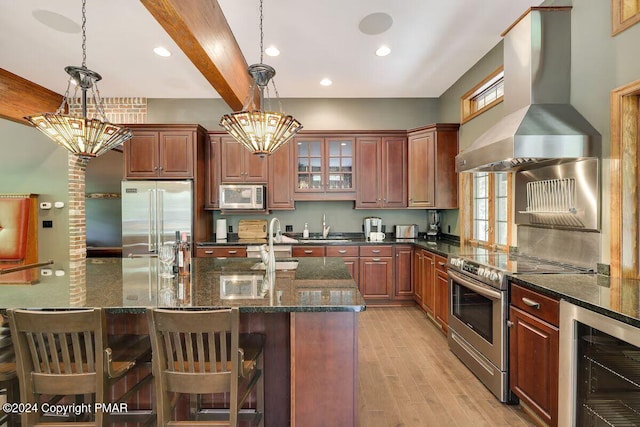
[{"x": 433, "y": 42}]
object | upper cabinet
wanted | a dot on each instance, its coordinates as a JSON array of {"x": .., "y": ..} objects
[
  {"x": 281, "y": 176},
  {"x": 212, "y": 200},
  {"x": 433, "y": 182},
  {"x": 382, "y": 172},
  {"x": 162, "y": 151},
  {"x": 324, "y": 168},
  {"x": 239, "y": 165}
]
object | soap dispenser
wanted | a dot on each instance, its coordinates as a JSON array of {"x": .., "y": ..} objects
[{"x": 305, "y": 232}]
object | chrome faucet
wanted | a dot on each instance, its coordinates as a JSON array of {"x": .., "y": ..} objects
[
  {"x": 325, "y": 227},
  {"x": 271, "y": 266}
]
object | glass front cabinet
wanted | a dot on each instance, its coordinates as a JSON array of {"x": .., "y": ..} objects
[{"x": 325, "y": 168}]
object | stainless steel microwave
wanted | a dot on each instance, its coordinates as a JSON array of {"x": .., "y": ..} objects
[{"x": 243, "y": 196}]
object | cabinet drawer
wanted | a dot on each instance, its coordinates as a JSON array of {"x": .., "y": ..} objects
[
  {"x": 302, "y": 251},
  {"x": 222, "y": 252},
  {"x": 376, "y": 251},
  {"x": 538, "y": 305},
  {"x": 441, "y": 263},
  {"x": 342, "y": 251}
]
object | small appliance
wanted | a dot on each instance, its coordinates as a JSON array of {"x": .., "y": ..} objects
[
  {"x": 406, "y": 231},
  {"x": 433, "y": 228},
  {"x": 243, "y": 196},
  {"x": 372, "y": 223}
]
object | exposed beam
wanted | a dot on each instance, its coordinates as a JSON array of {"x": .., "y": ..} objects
[
  {"x": 202, "y": 32},
  {"x": 20, "y": 97}
]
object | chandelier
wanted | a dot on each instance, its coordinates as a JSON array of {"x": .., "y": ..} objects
[
  {"x": 82, "y": 136},
  {"x": 261, "y": 132}
]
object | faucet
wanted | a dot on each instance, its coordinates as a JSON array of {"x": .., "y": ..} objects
[
  {"x": 325, "y": 227},
  {"x": 271, "y": 266}
]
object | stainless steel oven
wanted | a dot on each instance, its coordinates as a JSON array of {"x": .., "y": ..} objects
[{"x": 477, "y": 330}]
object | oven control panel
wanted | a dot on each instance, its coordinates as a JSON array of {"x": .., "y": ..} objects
[{"x": 482, "y": 272}]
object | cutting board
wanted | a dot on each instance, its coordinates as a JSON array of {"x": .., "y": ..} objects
[{"x": 252, "y": 229}]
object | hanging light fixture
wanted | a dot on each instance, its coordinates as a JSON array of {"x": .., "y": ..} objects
[
  {"x": 261, "y": 132},
  {"x": 82, "y": 136}
]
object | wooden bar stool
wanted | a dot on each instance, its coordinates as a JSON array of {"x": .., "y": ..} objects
[
  {"x": 63, "y": 353},
  {"x": 202, "y": 352}
]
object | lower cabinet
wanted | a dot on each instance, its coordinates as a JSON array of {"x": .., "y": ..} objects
[
  {"x": 403, "y": 286},
  {"x": 442, "y": 300},
  {"x": 376, "y": 272},
  {"x": 350, "y": 257},
  {"x": 428, "y": 285},
  {"x": 303, "y": 251},
  {"x": 534, "y": 352},
  {"x": 222, "y": 252},
  {"x": 418, "y": 277}
]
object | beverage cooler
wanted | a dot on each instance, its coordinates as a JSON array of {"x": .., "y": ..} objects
[{"x": 599, "y": 370}]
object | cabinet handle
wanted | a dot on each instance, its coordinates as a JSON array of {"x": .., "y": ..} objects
[
  {"x": 441, "y": 264},
  {"x": 155, "y": 168},
  {"x": 161, "y": 168},
  {"x": 232, "y": 252},
  {"x": 308, "y": 251},
  {"x": 208, "y": 252},
  {"x": 531, "y": 303},
  {"x": 376, "y": 260},
  {"x": 342, "y": 251},
  {"x": 510, "y": 324},
  {"x": 375, "y": 251}
]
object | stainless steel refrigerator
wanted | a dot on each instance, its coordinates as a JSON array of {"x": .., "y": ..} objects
[{"x": 152, "y": 212}]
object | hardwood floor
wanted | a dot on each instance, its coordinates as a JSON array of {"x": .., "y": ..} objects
[{"x": 408, "y": 377}]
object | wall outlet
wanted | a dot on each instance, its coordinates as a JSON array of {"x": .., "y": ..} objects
[
  {"x": 47, "y": 224},
  {"x": 288, "y": 228},
  {"x": 231, "y": 229}
]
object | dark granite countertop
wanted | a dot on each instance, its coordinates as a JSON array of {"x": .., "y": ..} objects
[
  {"x": 130, "y": 285},
  {"x": 612, "y": 297}
]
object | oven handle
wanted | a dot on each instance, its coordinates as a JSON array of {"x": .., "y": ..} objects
[{"x": 489, "y": 293}]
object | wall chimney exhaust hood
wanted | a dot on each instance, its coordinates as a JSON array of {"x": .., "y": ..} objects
[{"x": 540, "y": 127}]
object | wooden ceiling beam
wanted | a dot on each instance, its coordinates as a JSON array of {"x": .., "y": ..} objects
[
  {"x": 201, "y": 30},
  {"x": 20, "y": 97}
]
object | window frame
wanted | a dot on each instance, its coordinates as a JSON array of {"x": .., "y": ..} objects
[
  {"x": 467, "y": 101},
  {"x": 492, "y": 200},
  {"x": 624, "y": 14}
]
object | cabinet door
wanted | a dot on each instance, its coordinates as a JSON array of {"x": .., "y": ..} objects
[
  {"x": 281, "y": 176},
  {"x": 418, "y": 281},
  {"x": 533, "y": 360},
  {"x": 442, "y": 299},
  {"x": 212, "y": 200},
  {"x": 403, "y": 277},
  {"x": 255, "y": 167},
  {"x": 352, "y": 264},
  {"x": 339, "y": 163},
  {"x": 303, "y": 251},
  {"x": 141, "y": 155},
  {"x": 369, "y": 169},
  {"x": 232, "y": 158},
  {"x": 428, "y": 277},
  {"x": 376, "y": 277},
  {"x": 421, "y": 170},
  {"x": 309, "y": 172},
  {"x": 176, "y": 154},
  {"x": 394, "y": 172}
]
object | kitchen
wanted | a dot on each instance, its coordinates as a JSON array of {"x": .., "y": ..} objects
[{"x": 600, "y": 63}]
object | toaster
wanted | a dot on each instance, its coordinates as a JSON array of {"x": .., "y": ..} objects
[{"x": 407, "y": 231}]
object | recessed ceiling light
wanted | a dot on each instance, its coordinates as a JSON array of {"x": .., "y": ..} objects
[
  {"x": 383, "y": 51},
  {"x": 326, "y": 82},
  {"x": 272, "y": 51},
  {"x": 162, "y": 51}
]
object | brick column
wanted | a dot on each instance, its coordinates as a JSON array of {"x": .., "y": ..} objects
[{"x": 77, "y": 231}]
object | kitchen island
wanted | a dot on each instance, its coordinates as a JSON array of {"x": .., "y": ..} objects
[{"x": 309, "y": 314}]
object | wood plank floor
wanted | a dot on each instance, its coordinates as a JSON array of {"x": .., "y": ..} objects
[{"x": 408, "y": 377}]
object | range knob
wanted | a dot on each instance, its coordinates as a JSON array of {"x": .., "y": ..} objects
[{"x": 494, "y": 276}]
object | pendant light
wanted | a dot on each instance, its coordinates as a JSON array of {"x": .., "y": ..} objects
[
  {"x": 261, "y": 132},
  {"x": 82, "y": 136}
]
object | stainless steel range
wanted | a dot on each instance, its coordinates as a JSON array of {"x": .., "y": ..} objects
[{"x": 479, "y": 307}]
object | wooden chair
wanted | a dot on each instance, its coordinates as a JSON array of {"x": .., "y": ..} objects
[
  {"x": 202, "y": 352},
  {"x": 63, "y": 353},
  {"x": 8, "y": 377}
]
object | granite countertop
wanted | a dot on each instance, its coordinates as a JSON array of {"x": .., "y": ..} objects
[
  {"x": 130, "y": 285},
  {"x": 613, "y": 297}
]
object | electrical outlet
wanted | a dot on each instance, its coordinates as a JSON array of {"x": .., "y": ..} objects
[
  {"x": 47, "y": 224},
  {"x": 231, "y": 229},
  {"x": 288, "y": 228},
  {"x": 449, "y": 229}
]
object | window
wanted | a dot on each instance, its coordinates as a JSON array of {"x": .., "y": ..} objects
[
  {"x": 482, "y": 96},
  {"x": 624, "y": 14},
  {"x": 490, "y": 220}
]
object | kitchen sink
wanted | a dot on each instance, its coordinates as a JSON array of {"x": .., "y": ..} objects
[
  {"x": 280, "y": 265},
  {"x": 324, "y": 240}
]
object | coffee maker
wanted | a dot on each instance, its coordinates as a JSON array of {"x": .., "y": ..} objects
[
  {"x": 372, "y": 223},
  {"x": 433, "y": 224}
]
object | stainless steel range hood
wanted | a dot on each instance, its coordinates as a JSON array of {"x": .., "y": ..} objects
[{"x": 540, "y": 126}]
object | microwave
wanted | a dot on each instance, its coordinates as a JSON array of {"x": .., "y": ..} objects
[{"x": 243, "y": 196}]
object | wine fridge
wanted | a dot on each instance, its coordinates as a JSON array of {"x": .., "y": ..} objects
[{"x": 599, "y": 369}]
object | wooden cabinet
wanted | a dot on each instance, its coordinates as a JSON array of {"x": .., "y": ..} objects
[
  {"x": 428, "y": 285},
  {"x": 239, "y": 165},
  {"x": 350, "y": 257},
  {"x": 433, "y": 182},
  {"x": 403, "y": 283},
  {"x": 441, "y": 293},
  {"x": 302, "y": 251},
  {"x": 381, "y": 172},
  {"x": 534, "y": 351},
  {"x": 376, "y": 272},
  {"x": 281, "y": 176},
  {"x": 418, "y": 276},
  {"x": 324, "y": 167},
  {"x": 167, "y": 153},
  {"x": 221, "y": 252},
  {"x": 213, "y": 177}
]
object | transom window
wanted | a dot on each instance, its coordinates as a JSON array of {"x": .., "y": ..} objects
[{"x": 486, "y": 94}]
